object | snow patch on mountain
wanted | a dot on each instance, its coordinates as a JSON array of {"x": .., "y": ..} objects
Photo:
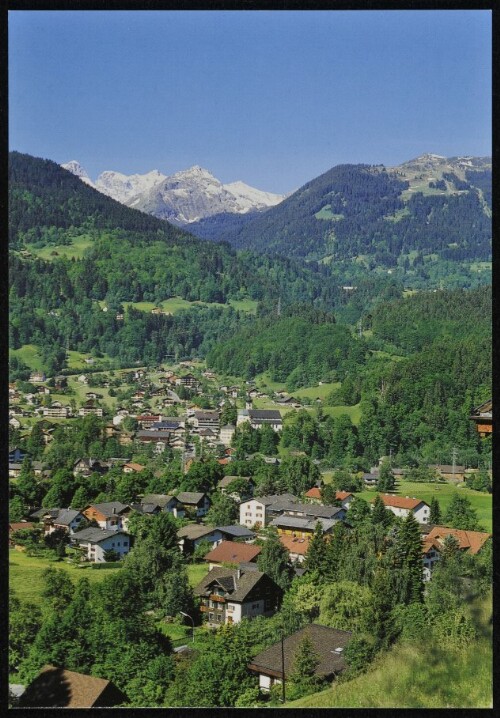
[
  {"x": 76, "y": 169},
  {"x": 184, "y": 197}
]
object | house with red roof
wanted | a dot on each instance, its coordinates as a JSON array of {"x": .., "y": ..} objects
[
  {"x": 296, "y": 546},
  {"x": 314, "y": 496},
  {"x": 402, "y": 505},
  {"x": 470, "y": 541},
  {"x": 231, "y": 552}
]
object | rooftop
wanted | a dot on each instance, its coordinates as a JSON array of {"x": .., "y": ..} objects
[
  {"x": 231, "y": 552},
  {"x": 400, "y": 502},
  {"x": 59, "y": 688},
  {"x": 325, "y": 641}
]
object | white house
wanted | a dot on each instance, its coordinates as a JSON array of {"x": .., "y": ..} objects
[
  {"x": 260, "y": 417},
  {"x": 226, "y": 434},
  {"x": 96, "y": 541},
  {"x": 258, "y": 510},
  {"x": 402, "y": 505}
]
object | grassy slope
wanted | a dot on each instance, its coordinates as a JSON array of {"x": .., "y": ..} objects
[
  {"x": 26, "y": 574},
  {"x": 481, "y": 502},
  {"x": 419, "y": 676}
]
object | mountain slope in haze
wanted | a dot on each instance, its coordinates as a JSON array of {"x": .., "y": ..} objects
[
  {"x": 431, "y": 205},
  {"x": 183, "y": 198}
]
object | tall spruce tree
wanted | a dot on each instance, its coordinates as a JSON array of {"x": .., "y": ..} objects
[
  {"x": 435, "y": 511},
  {"x": 408, "y": 576},
  {"x": 316, "y": 553},
  {"x": 380, "y": 515},
  {"x": 273, "y": 560}
]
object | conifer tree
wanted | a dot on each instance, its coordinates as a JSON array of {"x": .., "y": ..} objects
[
  {"x": 408, "y": 575},
  {"x": 380, "y": 515},
  {"x": 304, "y": 665},
  {"x": 273, "y": 560},
  {"x": 316, "y": 553},
  {"x": 435, "y": 511}
]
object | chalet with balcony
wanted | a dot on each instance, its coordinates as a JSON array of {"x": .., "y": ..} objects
[{"x": 228, "y": 595}]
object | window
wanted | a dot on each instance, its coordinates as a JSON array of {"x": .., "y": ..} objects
[
  {"x": 125, "y": 543},
  {"x": 210, "y": 616}
]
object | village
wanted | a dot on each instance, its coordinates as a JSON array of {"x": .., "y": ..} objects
[{"x": 186, "y": 416}]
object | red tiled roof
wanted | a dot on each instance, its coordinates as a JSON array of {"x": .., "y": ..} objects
[
  {"x": 134, "y": 466},
  {"x": 470, "y": 541},
  {"x": 400, "y": 502},
  {"x": 313, "y": 493},
  {"x": 341, "y": 495},
  {"x": 17, "y": 526},
  {"x": 295, "y": 545},
  {"x": 223, "y": 462},
  {"x": 232, "y": 552}
]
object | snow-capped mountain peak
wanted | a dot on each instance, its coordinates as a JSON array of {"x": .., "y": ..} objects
[
  {"x": 184, "y": 197},
  {"x": 75, "y": 168}
]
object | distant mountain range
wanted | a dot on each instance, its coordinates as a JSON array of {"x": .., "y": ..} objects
[
  {"x": 184, "y": 198},
  {"x": 430, "y": 205}
]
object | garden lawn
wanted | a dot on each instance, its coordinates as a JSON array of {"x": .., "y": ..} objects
[
  {"x": 196, "y": 571},
  {"x": 26, "y": 574},
  {"x": 481, "y": 502}
]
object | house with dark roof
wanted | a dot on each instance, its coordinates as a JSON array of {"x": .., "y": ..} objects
[
  {"x": 190, "y": 536},
  {"x": 231, "y": 552},
  {"x": 228, "y": 595},
  {"x": 277, "y": 662},
  {"x": 166, "y": 502},
  {"x": 482, "y": 415},
  {"x": 237, "y": 533},
  {"x": 66, "y": 519},
  {"x": 195, "y": 504},
  {"x": 301, "y": 526},
  {"x": 58, "y": 688},
  {"x": 260, "y": 509},
  {"x": 94, "y": 542},
  {"x": 261, "y": 417}
]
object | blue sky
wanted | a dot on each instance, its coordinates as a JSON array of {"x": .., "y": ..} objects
[{"x": 271, "y": 98}]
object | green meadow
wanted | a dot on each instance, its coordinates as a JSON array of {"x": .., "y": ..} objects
[{"x": 26, "y": 574}]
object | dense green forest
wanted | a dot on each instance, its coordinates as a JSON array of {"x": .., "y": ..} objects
[{"x": 354, "y": 210}]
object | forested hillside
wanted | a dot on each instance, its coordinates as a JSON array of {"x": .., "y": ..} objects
[{"x": 356, "y": 210}]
